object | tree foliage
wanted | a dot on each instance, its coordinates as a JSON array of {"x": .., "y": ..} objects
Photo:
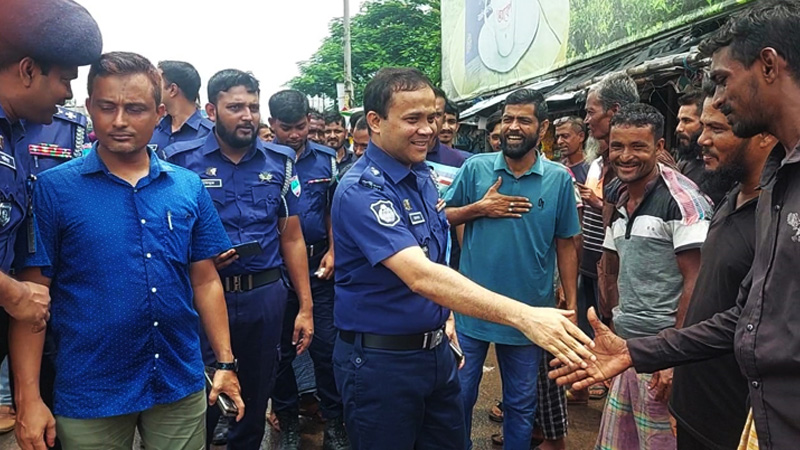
[{"x": 386, "y": 33}]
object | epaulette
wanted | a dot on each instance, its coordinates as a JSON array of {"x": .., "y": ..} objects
[
  {"x": 71, "y": 116},
  {"x": 372, "y": 178},
  {"x": 183, "y": 146},
  {"x": 280, "y": 149},
  {"x": 322, "y": 148},
  {"x": 205, "y": 122}
]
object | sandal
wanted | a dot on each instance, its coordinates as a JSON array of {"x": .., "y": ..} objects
[
  {"x": 577, "y": 397},
  {"x": 496, "y": 413},
  {"x": 497, "y": 439},
  {"x": 598, "y": 391}
]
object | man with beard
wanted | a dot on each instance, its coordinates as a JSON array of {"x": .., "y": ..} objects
[
  {"x": 317, "y": 171},
  {"x": 336, "y": 138},
  {"x": 316, "y": 127},
  {"x": 254, "y": 187},
  {"x": 690, "y": 162},
  {"x": 713, "y": 418},
  {"x": 543, "y": 221}
]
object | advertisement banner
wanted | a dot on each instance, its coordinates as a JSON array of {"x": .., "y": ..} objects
[{"x": 491, "y": 44}]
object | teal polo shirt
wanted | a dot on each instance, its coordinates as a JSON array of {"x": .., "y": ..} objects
[{"x": 515, "y": 257}]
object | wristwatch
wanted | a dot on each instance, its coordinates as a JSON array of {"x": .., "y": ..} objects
[{"x": 234, "y": 366}]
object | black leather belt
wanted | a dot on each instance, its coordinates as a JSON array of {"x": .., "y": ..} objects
[
  {"x": 248, "y": 282},
  {"x": 317, "y": 248},
  {"x": 422, "y": 341}
]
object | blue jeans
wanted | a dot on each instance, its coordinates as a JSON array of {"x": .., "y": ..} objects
[
  {"x": 519, "y": 368},
  {"x": 5, "y": 384}
]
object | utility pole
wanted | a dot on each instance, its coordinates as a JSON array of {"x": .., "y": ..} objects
[{"x": 348, "y": 70}]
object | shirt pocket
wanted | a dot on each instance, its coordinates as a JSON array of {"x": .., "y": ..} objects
[
  {"x": 266, "y": 202},
  {"x": 177, "y": 233}
]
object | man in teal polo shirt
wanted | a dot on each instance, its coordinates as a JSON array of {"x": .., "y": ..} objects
[{"x": 513, "y": 252}]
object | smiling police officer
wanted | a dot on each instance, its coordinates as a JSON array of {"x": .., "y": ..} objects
[{"x": 393, "y": 368}]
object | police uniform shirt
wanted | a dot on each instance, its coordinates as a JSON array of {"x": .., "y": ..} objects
[
  {"x": 380, "y": 208},
  {"x": 247, "y": 195},
  {"x": 316, "y": 169},
  {"x": 50, "y": 145},
  {"x": 195, "y": 127}
]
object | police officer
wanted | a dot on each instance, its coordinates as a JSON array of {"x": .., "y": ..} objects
[
  {"x": 255, "y": 189},
  {"x": 316, "y": 169},
  {"x": 36, "y": 69},
  {"x": 180, "y": 91},
  {"x": 394, "y": 369},
  {"x": 52, "y": 144}
]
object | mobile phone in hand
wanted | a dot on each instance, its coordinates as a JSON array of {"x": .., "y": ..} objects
[
  {"x": 457, "y": 353},
  {"x": 226, "y": 406},
  {"x": 248, "y": 249}
]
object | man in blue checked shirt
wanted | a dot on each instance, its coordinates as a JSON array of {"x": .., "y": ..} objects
[
  {"x": 255, "y": 188},
  {"x": 131, "y": 243}
]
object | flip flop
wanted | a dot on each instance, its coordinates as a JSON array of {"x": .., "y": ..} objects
[
  {"x": 497, "y": 439},
  {"x": 598, "y": 391},
  {"x": 496, "y": 413},
  {"x": 572, "y": 399}
]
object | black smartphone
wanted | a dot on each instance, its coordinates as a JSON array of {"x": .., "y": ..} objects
[
  {"x": 247, "y": 249},
  {"x": 457, "y": 352},
  {"x": 225, "y": 404}
]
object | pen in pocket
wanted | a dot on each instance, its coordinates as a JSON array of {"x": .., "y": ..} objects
[{"x": 169, "y": 220}]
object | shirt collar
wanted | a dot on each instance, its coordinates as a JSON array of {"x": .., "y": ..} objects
[
  {"x": 537, "y": 167},
  {"x": 13, "y": 127},
  {"x": 436, "y": 145},
  {"x": 777, "y": 158},
  {"x": 93, "y": 164},
  {"x": 393, "y": 168},
  {"x": 192, "y": 122},
  {"x": 648, "y": 189}
]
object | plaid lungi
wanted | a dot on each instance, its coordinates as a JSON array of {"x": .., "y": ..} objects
[
  {"x": 632, "y": 418},
  {"x": 551, "y": 414},
  {"x": 749, "y": 439}
]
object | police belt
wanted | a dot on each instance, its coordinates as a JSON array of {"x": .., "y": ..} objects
[
  {"x": 317, "y": 248},
  {"x": 248, "y": 282},
  {"x": 422, "y": 341}
]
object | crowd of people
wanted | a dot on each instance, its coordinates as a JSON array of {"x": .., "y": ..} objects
[{"x": 164, "y": 274}]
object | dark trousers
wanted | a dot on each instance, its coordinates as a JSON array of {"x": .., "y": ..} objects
[
  {"x": 587, "y": 297},
  {"x": 687, "y": 440},
  {"x": 400, "y": 399},
  {"x": 285, "y": 395},
  {"x": 255, "y": 324}
]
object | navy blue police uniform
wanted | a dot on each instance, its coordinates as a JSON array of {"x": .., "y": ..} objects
[
  {"x": 195, "y": 127},
  {"x": 50, "y": 145},
  {"x": 250, "y": 197},
  {"x": 397, "y": 376},
  {"x": 317, "y": 171}
]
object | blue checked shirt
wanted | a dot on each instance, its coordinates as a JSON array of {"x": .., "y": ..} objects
[{"x": 123, "y": 318}]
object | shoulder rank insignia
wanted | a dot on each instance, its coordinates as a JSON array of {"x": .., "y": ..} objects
[
  {"x": 407, "y": 205},
  {"x": 211, "y": 171},
  {"x": 375, "y": 171},
  {"x": 265, "y": 177}
]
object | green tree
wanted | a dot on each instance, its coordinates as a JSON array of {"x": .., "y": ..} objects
[{"x": 386, "y": 33}]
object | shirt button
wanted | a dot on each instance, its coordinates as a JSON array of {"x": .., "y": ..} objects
[
  {"x": 144, "y": 221},
  {"x": 358, "y": 360},
  {"x": 238, "y": 197},
  {"x": 777, "y": 207},
  {"x": 135, "y": 191},
  {"x": 749, "y": 327},
  {"x": 153, "y": 290},
  {"x": 148, "y": 256},
  {"x": 755, "y": 384},
  {"x": 156, "y": 355},
  {"x": 155, "y": 324}
]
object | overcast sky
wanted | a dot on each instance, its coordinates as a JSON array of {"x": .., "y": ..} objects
[{"x": 267, "y": 37}]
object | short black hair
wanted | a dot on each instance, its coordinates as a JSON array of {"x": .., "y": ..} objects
[
  {"x": 380, "y": 90},
  {"x": 640, "y": 115},
  {"x": 439, "y": 93},
  {"x": 334, "y": 117},
  {"x": 315, "y": 115},
  {"x": 709, "y": 87},
  {"x": 451, "y": 108},
  {"x": 288, "y": 106},
  {"x": 494, "y": 120},
  {"x": 616, "y": 89},
  {"x": 693, "y": 96},
  {"x": 361, "y": 124},
  {"x": 529, "y": 97},
  {"x": 184, "y": 75},
  {"x": 354, "y": 118},
  {"x": 224, "y": 80},
  {"x": 769, "y": 23},
  {"x": 125, "y": 63}
]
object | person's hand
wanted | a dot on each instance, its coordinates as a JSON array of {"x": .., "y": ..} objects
[
  {"x": 325, "y": 270},
  {"x": 36, "y": 426},
  {"x": 612, "y": 358},
  {"x": 31, "y": 305},
  {"x": 225, "y": 259},
  {"x": 661, "y": 385},
  {"x": 496, "y": 205},
  {"x": 303, "y": 331},
  {"x": 450, "y": 331},
  {"x": 589, "y": 197},
  {"x": 673, "y": 424},
  {"x": 551, "y": 329},
  {"x": 226, "y": 381}
]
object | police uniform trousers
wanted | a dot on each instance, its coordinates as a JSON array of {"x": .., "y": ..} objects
[
  {"x": 285, "y": 395},
  {"x": 400, "y": 399},
  {"x": 255, "y": 325}
]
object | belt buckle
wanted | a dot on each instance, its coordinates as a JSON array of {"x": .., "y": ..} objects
[
  {"x": 432, "y": 339},
  {"x": 237, "y": 283},
  {"x": 311, "y": 250}
]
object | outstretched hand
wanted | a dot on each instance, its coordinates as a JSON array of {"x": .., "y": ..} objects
[{"x": 612, "y": 358}]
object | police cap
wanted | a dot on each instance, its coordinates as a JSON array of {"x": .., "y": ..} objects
[{"x": 59, "y": 32}]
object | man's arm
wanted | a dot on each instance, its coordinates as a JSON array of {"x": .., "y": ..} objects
[
  {"x": 567, "y": 257},
  {"x": 493, "y": 204},
  {"x": 25, "y": 301},
  {"x": 209, "y": 300},
  {"x": 689, "y": 265},
  {"x": 326, "y": 265},
  {"x": 547, "y": 327},
  {"x": 293, "y": 250},
  {"x": 35, "y": 423}
]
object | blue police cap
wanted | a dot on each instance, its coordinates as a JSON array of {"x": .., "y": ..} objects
[{"x": 59, "y": 32}]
